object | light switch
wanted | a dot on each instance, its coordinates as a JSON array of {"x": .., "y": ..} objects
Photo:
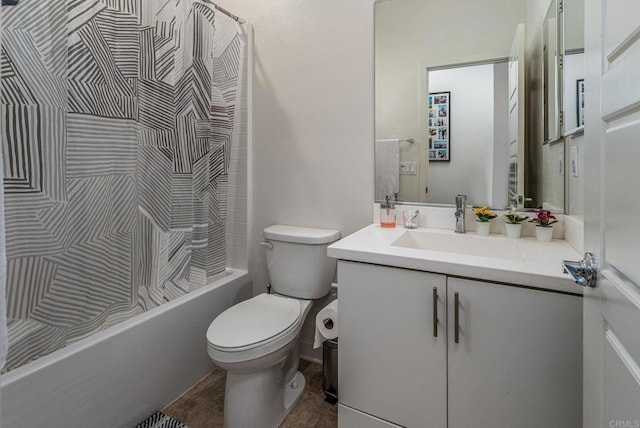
[{"x": 408, "y": 168}]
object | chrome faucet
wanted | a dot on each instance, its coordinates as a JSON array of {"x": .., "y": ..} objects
[{"x": 461, "y": 207}]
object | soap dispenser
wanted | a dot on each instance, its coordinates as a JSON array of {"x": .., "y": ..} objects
[{"x": 387, "y": 213}]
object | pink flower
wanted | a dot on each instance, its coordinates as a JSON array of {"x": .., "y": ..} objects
[{"x": 544, "y": 218}]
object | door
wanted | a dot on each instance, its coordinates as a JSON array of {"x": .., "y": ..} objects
[
  {"x": 612, "y": 223},
  {"x": 516, "y": 362},
  {"x": 393, "y": 355}
]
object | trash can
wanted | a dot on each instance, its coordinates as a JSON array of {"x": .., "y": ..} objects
[{"x": 330, "y": 370}]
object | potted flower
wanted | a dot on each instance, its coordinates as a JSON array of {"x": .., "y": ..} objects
[
  {"x": 483, "y": 220},
  {"x": 544, "y": 224},
  {"x": 513, "y": 224}
]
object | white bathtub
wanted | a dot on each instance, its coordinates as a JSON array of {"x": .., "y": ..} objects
[{"x": 117, "y": 377}]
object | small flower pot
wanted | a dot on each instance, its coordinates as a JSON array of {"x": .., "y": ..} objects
[
  {"x": 544, "y": 234},
  {"x": 514, "y": 230},
  {"x": 483, "y": 228}
]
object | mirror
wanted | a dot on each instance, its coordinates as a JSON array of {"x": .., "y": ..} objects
[
  {"x": 552, "y": 78},
  {"x": 573, "y": 99},
  {"x": 423, "y": 46},
  {"x": 563, "y": 44},
  {"x": 563, "y": 81}
]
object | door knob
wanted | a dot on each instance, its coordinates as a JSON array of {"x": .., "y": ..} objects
[{"x": 583, "y": 272}]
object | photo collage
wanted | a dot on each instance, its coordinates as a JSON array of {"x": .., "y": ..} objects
[{"x": 439, "y": 104}]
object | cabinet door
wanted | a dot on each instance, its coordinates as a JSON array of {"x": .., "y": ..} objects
[
  {"x": 518, "y": 360},
  {"x": 348, "y": 417},
  {"x": 392, "y": 365}
]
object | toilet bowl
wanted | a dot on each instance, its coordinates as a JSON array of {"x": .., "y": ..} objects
[
  {"x": 257, "y": 332},
  {"x": 257, "y": 341}
]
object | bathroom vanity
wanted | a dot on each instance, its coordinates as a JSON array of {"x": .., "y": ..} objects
[{"x": 445, "y": 330}]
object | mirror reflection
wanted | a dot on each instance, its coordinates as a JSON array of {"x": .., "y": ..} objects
[
  {"x": 475, "y": 139},
  {"x": 563, "y": 120},
  {"x": 552, "y": 91},
  {"x": 573, "y": 64},
  {"x": 428, "y": 151}
]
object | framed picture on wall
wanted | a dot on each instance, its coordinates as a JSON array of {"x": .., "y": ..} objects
[
  {"x": 580, "y": 101},
  {"x": 439, "y": 130}
]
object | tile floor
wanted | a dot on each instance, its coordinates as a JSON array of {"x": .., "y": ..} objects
[{"x": 202, "y": 405}]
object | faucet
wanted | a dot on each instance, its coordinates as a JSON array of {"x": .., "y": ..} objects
[{"x": 461, "y": 207}]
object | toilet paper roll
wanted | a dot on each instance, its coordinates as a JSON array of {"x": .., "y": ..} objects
[{"x": 326, "y": 324}]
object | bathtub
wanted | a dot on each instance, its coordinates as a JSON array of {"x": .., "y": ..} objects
[{"x": 117, "y": 377}]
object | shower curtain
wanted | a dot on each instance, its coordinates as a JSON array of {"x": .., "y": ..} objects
[{"x": 118, "y": 117}]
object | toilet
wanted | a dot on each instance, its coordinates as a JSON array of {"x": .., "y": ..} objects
[{"x": 256, "y": 341}]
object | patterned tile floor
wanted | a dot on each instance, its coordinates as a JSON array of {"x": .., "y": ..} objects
[{"x": 202, "y": 405}]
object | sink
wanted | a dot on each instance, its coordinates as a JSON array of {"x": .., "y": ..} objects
[{"x": 467, "y": 244}]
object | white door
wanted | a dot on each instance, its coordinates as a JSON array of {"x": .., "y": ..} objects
[{"x": 612, "y": 220}]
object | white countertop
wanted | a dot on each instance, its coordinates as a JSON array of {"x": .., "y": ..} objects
[{"x": 538, "y": 264}]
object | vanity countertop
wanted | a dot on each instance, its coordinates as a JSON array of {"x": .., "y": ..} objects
[{"x": 523, "y": 261}]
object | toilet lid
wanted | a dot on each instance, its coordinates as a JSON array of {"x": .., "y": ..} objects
[{"x": 253, "y": 321}]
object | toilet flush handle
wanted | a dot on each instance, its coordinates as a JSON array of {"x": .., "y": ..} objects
[{"x": 268, "y": 245}]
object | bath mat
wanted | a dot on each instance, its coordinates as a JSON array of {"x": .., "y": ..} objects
[{"x": 160, "y": 420}]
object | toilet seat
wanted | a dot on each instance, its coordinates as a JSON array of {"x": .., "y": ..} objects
[
  {"x": 255, "y": 327},
  {"x": 253, "y": 321}
]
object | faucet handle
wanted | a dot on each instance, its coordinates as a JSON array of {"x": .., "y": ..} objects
[{"x": 461, "y": 202}]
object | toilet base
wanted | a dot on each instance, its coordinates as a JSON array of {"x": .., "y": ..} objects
[
  {"x": 260, "y": 400},
  {"x": 293, "y": 391}
]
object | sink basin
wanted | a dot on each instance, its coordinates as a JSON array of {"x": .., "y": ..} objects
[{"x": 467, "y": 244}]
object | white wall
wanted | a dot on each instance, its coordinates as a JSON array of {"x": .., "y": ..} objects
[
  {"x": 471, "y": 135},
  {"x": 313, "y": 117},
  {"x": 574, "y": 24},
  {"x": 536, "y": 11},
  {"x": 576, "y": 184}
]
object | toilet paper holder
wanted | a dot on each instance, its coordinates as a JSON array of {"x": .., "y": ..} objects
[{"x": 328, "y": 323}]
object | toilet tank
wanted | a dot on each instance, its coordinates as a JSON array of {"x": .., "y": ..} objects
[{"x": 297, "y": 260}]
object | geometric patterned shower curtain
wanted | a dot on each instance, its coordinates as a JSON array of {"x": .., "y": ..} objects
[{"x": 117, "y": 122}]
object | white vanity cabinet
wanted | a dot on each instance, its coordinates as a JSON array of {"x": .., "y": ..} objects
[
  {"x": 391, "y": 365},
  {"x": 517, "y": 361}
]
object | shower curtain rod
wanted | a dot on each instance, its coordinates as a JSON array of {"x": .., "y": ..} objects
[{"x": 225, "y": 11}]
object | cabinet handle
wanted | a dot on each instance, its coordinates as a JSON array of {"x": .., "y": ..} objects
[
  {"x": 435, "y": 311},
  {"x": 456, "y": 317}
]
